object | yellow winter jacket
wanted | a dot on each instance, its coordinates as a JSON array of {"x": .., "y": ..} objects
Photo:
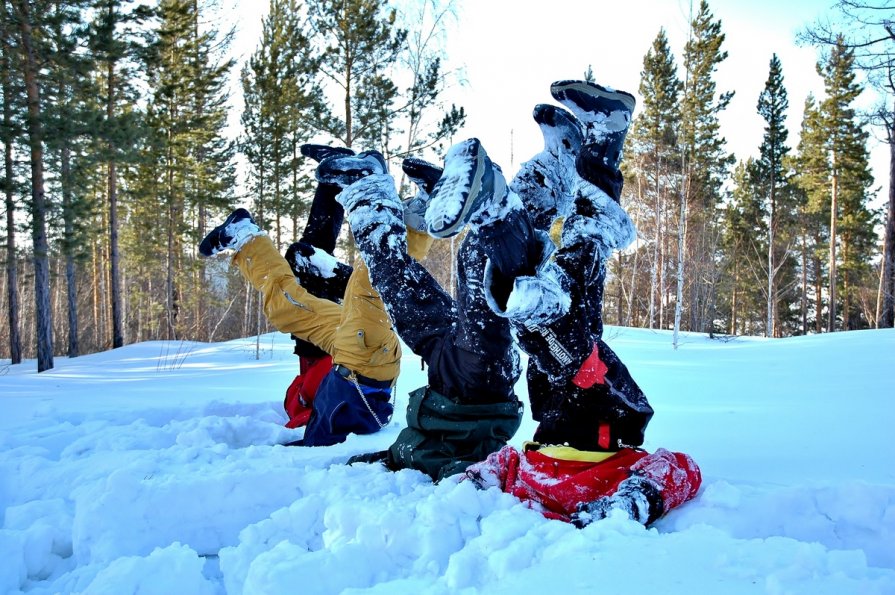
[{"x": 358, "y": 333}]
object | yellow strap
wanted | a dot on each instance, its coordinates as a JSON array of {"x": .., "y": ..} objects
[{"x": 567, "y": 453}]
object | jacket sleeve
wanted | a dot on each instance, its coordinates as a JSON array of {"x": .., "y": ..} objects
[
  {"x": 675, "y": 475},
  {"x": 495, "y": 470}
]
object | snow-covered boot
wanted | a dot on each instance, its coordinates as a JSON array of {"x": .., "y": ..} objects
[
  {"x": 343, "y": 170},
  {"x": 237, "y": 229},
  {"x": 468, "y": 191},
  {"x": 320, "y": 152},
  {"x": 545, "y": 182},
  {"x": 605, "y": 114},
  {"x": 318, "y": 271},
  {"x": 424, "y": 175}
]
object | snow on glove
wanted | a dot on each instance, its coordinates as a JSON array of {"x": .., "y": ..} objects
[{"x": 637, "y": 496}]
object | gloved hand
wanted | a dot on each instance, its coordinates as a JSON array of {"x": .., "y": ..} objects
[{"x": 638, "y": 496}]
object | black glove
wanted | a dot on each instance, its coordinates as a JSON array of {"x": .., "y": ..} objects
[{"x": 638, "y": 496}]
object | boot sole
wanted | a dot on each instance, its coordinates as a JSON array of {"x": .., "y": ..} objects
[
  {"x": 467, "y": 183},
  {"x": 566, "y": 92}
]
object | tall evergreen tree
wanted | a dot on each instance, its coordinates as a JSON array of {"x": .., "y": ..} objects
[
  {"x": 34, "y": 53},
  {"x": 849, "y": 178},
  {"x": 115, "y": 46},
  {"x": 67, "y": 126},
  {"x": 865, "y": 27},
  {"x": 772, "y": 105},
  {"x": 187, "y": 114},
  {"x": 10, "y": 129},
  {"x": 707, "y": 162},
  {"x": 652, "y": 146},
  {"x": 812, "y": 180},
  {"x": 423, "y": 58},
  {"x": 283, "y": 104},
  {"x": 744, "y": 241},
  {"x": 360, "y": 42}
]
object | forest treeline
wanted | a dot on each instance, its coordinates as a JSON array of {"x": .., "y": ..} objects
[{"x": 118, "y": 160}]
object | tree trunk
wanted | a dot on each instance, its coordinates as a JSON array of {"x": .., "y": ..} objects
[
  {"x": 12, "y": 288},
  {"x": 70, "y": 277},
  {"x": 804, "y": 301},
  {"x": 681, "y": 237},
  {"x": 886, "y": 317},
  {"x": 818, "y": 297},
  {"x": 834, "y": 206},
  {"x": 769, "y": 329},
  {"x": 114, "y": 259},
  {"x": 44, "y": 330}
]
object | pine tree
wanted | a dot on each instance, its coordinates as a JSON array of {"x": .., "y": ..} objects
[
  {"x": 706, "y": 161},
  {"x": 744, "y": 246},
  {"x": 68, "y": 125},
  {"x": 423, "y": 59},
  {"x": 115, "y": 46},
  {"x": 866, "y": 29},
  {"x": 33, "y": 54},
  {"x": 187, "y": 114},
  {"x": 283, "y": 104},
  {"x": 652, "y": 155},
  {"x": 774, "y": 185},
  {"x": 10, "y": 130},
  {"x": 850, "y": 221},
  {"x": 360, "y": 43},
  {"x": 812, "y": 180}
]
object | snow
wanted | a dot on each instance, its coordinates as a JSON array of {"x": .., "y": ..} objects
[{"x": 158, "y": 468}]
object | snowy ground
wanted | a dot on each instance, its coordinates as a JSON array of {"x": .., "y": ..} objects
[{"x": 156, "y": 468}]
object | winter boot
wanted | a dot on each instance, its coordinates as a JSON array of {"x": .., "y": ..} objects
[
  {"x": 320, "y": 152},
  {"x": 422, "y": 173},
  {"x": 468, "y": 191},
  {"x": 605, "y": 113},
  {"x": 237, "y": 229},
  {"x": 343, "y": 170},
  {"x": 318, "y": 271},
  {"x": 425, "y": 175},
  {"x": 545, "y": 182}
]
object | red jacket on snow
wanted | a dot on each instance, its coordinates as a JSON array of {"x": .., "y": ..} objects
[
  {"x": 556, "y": 487},
  {"x": 300, "y": 394}
]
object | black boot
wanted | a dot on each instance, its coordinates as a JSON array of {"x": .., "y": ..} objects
[
  {"x": 513, "y": 250},
  {"x": 320, "y": 152},
  {"x": 422, "y": 173},
  {"x": 237, "y": 227},
  {"x": 344, "y": 170},
  {"x": 638, "y": 496},
  {"x": 327, "y": 284},
  {"x": 425, "y": 175},
  {"x": 545, "y": 183},
  {"x": 606, "y": 115}
]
